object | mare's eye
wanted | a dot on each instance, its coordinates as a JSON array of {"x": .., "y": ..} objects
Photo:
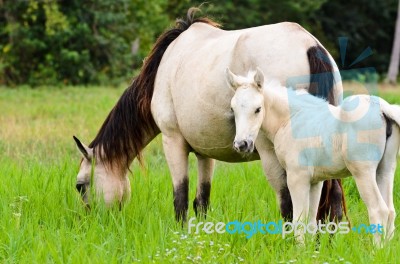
[
  {"x": 258, "y": 110},
  {"x": 231, "y": 109}
]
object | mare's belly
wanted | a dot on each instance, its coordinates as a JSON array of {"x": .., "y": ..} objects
[{"x": 210, "y": 130}]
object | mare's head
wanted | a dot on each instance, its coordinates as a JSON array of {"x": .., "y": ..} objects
[
  {"x": 248, "y": 107},
  {"x": 100, "y": 180}
]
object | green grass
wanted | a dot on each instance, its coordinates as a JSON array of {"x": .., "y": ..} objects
[{"x": 43, "y": 220}]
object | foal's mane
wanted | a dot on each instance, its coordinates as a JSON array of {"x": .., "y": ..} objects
[
  {"x": 299, "y": 100},
  {"x": 122, "y": 136}
]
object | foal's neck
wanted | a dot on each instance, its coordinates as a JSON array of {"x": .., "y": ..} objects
[{"x": 277, "y": 111}]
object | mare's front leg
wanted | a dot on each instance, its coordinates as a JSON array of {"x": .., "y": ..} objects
[
  {"x": 205, "y": 172},
  {"x": 276, "y": 176},
  {"x": 176, "y": 151}
]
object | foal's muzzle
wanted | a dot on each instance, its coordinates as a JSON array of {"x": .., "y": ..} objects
[{"x": 246, "y": 145}]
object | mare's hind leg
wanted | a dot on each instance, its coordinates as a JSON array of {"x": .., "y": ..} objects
[
  {"x": 176, "y": 151},
  {"x": 378, "y": 211},
  {"x": 385, "y": 177},
  {"x": 331, "y": 201},
  {"x": 205, "y": 172}
]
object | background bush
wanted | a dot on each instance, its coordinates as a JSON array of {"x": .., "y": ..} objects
[{"x": 93, "y": 41}]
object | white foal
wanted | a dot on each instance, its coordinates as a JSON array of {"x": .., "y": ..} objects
[{"x": 316, "y": 141}]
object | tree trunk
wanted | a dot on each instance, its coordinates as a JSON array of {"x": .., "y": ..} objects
[{"x": 394, "y": 58}]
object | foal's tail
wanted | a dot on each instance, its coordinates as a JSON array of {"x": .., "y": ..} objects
[{"x": 391, "y": 111}]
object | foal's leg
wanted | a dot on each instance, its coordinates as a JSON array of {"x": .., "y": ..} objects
[
  {"x": 205, "y": 172},
  {"x": 176, "y": 152},
  {"x": 299, "y": 187},
  {"x": 315, "y": 195},
  {"x": 276, "y": 176},
  {"x": 378, "y": 211},
  {"x": 385, "y": 177},
  {"x": 385, "y": 184}
]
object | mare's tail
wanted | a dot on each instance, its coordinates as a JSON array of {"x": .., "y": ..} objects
[{"x": 324, "y": 85}]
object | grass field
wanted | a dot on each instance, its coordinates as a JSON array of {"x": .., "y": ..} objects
[{"x": 43, "y": 221}]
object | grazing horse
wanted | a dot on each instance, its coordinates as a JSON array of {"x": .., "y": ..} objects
[
  {"x": 181, "y": 93},
  {"x": 360, "y": 137}
]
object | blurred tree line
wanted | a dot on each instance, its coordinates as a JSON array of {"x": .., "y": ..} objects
[{"x": 103, "y": 41}]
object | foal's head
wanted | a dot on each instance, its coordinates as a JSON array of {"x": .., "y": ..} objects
[{"x": 248, "y": 107}]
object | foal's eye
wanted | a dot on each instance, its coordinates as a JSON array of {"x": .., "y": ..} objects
[
  {"x": 231, "y": 109},
  {"x": 258, "y": 110}
]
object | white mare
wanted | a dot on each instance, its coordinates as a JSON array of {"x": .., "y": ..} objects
[
  {"x": 316, "y": 141},
  {"x": 181, "y": 92}
]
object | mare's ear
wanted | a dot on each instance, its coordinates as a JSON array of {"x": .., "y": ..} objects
[
  {"x": 259, "y": 78},
  {"x": 85, "y": 150},
  {"x": 232, "y": 79}
]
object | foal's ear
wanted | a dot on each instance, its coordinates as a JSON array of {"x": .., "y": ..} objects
[
  {"x": 259, "y": 78},
  {"x": 85, "y": 150},
  {"x": 232, "y": 79}
]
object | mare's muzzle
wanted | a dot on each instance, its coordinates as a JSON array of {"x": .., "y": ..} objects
[
  {"x": 246, "y": 145},
  {"x": 82, "y": 188}
]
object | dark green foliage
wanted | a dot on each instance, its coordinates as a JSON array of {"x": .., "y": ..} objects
[
  {"x": 366, "y": 24},
  {"x": 81, "y": 42},
  {"x": 73, "y": 42}
]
